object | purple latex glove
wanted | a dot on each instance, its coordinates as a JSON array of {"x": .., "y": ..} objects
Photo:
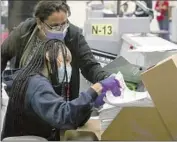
[{"x": 111, "y": 84}]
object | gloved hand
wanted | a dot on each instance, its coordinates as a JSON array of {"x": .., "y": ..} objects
[{"x": 111, "y": 84}]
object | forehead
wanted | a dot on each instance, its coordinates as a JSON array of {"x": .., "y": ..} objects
[{"x": 57, "y": 18}]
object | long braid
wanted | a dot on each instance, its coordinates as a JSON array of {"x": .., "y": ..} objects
[
  {"x": 16, "y": 104},
  {"x": 64, "y": 53},
  {"x": 20, "y": 86}
]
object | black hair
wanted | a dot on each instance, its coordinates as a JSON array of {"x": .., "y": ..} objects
[
  {"x": 15, "y": 110},
  {"x": 45, "y": 8}
]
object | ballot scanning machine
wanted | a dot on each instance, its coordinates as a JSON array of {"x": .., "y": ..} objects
[
  {"x": 104, "y": 37},
  {"x": 125, "y": 44}
]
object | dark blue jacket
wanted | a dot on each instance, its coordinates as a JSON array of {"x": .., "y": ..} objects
[{"x": 46, "y": 110}]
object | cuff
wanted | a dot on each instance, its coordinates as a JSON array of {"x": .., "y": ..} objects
[{"x": 92, "y": 93}]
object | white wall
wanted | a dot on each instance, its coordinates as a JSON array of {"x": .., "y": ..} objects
[{"x": 78, "y": 13}]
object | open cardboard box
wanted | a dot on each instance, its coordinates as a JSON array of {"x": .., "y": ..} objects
[{"x": 157, "y": 123}]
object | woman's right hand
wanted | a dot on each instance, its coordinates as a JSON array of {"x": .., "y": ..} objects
[{"x": 108, "y": 84}]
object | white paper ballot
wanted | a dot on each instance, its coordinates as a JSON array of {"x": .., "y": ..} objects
[
  {"x": 127, "y": 96},
  {"x": 107, "y": 115},
  {"x": 113, "y": 105},
  {"x": 106, "y": 106}
]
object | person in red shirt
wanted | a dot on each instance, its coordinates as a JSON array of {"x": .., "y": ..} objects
[{"x": 162, "y": 8}]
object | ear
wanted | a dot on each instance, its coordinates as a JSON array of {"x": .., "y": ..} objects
[{"x": 47, "y": 56}]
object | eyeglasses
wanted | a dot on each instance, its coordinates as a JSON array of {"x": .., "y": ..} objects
[{"x": 59, "y": 27}]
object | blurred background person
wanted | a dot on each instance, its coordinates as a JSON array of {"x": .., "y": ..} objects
[
  {"x": 123, "y": 9},
  {"x": 161, "y": 7}
]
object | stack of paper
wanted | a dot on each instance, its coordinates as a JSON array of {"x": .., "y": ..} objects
[
  {"x": 128, "y": 98},
  {"x": 107, "y": 114}
]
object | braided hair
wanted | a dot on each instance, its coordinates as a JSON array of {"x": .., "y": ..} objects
[{"x": 38, "y": 62}]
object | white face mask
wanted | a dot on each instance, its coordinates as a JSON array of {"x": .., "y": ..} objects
[{"x": 61, "y": 72}]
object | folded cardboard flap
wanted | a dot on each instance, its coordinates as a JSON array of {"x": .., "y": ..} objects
[
  {"x": 161, "y": 83},
  {"x": 92, "y": 125},
  {"x": 136, "y": 123},
  {"x": 74, "y": 135}
]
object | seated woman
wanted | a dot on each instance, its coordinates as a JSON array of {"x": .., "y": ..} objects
[{"x": 36, "y": 109}]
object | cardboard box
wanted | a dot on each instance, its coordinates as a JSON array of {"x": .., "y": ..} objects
[
  {"x": 161, "y": 83},
  {"x": 157, "y": 123},
  {"x": 136, "y": 124}
]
